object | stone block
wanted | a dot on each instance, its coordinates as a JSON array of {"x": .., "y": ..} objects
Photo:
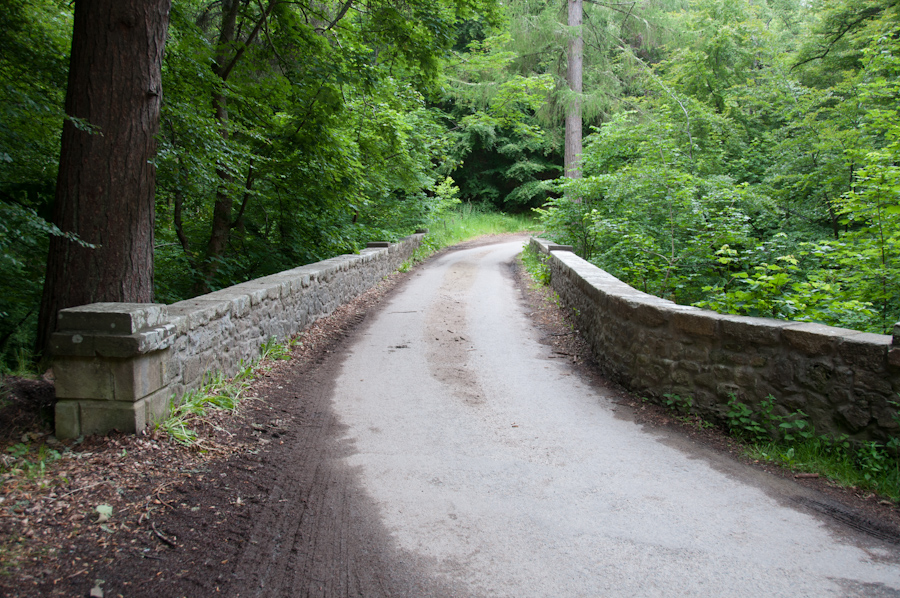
[
  {"x": 140, "y": 376},
  {"x": 679, "y": 376},
  {"x": 855, "y": 415},
  {"x": 68, "y": 419},
  {"x": 132, "y": 344},
  {"x": 647, "y": 313},
  {"x": 156, "y": 405},
  {"x": 746, "y": 377},
  {"x": 695, "y": 322},
  {"x": 72, "y": 344},
  {"x": 196, "y": 313},
  {"x": 743, "y": 358},
  {"x": 84, "y": 378},
  {"x": 706, "y": 380},
  {"x": 378, "y": 244},
  {"x": 100, "y": 417},
  {"x": 820, "y": 376},
  {"x": 865, "y": 350},
  {"x": 885, "y": 414},
  {"x": 872, "y": 381},
  {"x": 894, "y": 357},
  {"x": 110, "y": 379},
  {"x": 86, "y": 344},
  {"x": 238, "y": 299},
  {"x": 815, "y": 339},
  {"x": 112, "y": 318},
  {"x": 896, "y": 337},
  {"x": 761, "y": 331}
]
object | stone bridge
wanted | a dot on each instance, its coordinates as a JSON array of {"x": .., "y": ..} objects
[{"x": 119, "y": 366}]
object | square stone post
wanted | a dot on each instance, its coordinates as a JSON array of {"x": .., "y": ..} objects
[
  {"x": 894, "y": 352},
  {"x": 110, "y": 363}
]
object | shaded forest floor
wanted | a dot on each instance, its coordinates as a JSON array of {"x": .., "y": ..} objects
[{"x": 146, "y": 516}]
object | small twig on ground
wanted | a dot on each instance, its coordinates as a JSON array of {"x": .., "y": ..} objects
[
  {"x": 77, "y": 490},
  {"x": 159, "y": 535}
]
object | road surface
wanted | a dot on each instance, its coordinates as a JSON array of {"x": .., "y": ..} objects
[{"x": 496, "y": 471}]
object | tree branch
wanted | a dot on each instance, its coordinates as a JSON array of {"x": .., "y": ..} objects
[
  {"x": 248, "y": 186},
  {"x": 341, "y": 13},
  {"x": 842, "y": 31}
]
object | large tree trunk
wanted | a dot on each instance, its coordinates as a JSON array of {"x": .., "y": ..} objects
[
  {"x": 574, "y": 77},
  {"x": 105, "y": 188}
]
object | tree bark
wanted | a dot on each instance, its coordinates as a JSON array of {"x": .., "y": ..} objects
[
  {"x": 229, "y": 52},
  {"x": 106, "y": 182},
  {"x": 574, "y": 79}
]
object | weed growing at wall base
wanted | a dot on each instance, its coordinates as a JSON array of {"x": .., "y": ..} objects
[
  {"x": 536, "y": 265},
  {"x": 218, "y": 393},
  {"x": 791, "y": 441}
]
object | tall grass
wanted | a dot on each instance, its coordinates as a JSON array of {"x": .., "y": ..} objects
[{"x": 468, "y": 221}]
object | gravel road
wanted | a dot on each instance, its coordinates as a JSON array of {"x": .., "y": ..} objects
[{"x": 496, "y": 471}]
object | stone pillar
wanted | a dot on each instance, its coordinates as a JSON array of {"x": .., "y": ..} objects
[
  {"x": 110, "y": 361},
  {"x": 894, "y": 352}
]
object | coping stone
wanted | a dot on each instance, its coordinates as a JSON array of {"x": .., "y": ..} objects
[
  {"x": 815, "y": 339},
  {"x": 865, "y": 349},
  {"x": 762, "y": 331},
  {"x": 698, "y": 323},
  {"x": 112, "y": 318}
]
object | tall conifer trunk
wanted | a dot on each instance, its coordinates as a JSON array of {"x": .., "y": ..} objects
[
  {"x": 106, "y": 182},
  {"x": 574, "y": 79}
]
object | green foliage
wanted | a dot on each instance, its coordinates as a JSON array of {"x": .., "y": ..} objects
[
  {"x": 744, "y": 423},
  {"x": 681, "y": 405},
  {"x": 34, "y": 47},
  {"x": 22, "y": 460},
  {"x": 790, "y": 440},
  {"x": 744, "y": 179},
  {"x": 463, "y": 222},
  {"x": 535, "y": 264},
  {"x": 500, "y": 152}
]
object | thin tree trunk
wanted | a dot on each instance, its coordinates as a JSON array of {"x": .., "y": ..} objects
[
  {"x": 230, "y": 50},
  {"x": 106, "y": 182},
  {"x": 574, "y": 79}
]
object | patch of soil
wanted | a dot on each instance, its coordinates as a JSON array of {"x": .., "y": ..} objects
[
  {"x": 25, "y": 404},
  {"x": 258, "y": 507}
]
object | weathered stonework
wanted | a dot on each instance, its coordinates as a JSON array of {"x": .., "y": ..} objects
[
  {"x": 118, "y": 365},
  {"x": 843, "y": 379}
]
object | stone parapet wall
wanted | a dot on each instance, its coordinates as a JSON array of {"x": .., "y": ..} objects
[
  {"x": 118, "y": 365},
  {"x": 844, "y": 380}
]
